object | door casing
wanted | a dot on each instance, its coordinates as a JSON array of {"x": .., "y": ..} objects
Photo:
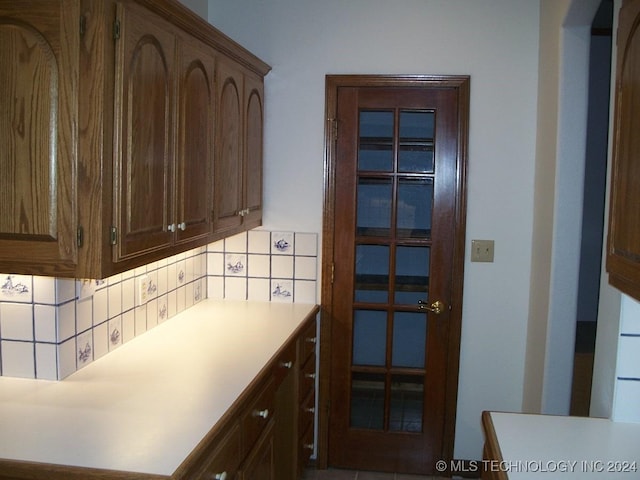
[{"x": 332, "y": 84}]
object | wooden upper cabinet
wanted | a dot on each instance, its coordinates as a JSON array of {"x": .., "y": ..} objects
[
  {"x": 195, "y": 141},
  {"x": 144, "y": 140},
  {"x": 122, "y": 140},
  {"x": 239, "y": 150},
  {"x": 38, "y": 88},
  {"x": 623, "y": 256}
]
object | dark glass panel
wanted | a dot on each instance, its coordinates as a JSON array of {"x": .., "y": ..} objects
[
  {"x": 372, "y": 274},
  {"x": 409, "y": 339},
  {"x": 375, "y": 152},
  {"x": 415, "y": 149},
  {"x": 374, "y": 206},
  {"x": 367, "y": 400},
  {"x": 369, "y": 337},
  {"x": 412, "y": 274},
  {"x": 415, "y": 201},
  {"x": 407, "y": 393}
]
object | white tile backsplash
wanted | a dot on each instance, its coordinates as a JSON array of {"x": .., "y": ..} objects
[
  {"x": 50, "y": 327},
  {"x": 16, "y": 321}
]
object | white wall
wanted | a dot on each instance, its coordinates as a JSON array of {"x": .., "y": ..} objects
[{"x": 494, "y": 41}]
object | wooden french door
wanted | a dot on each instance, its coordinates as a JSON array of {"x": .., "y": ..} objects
[{"x": 397, "y": 249}]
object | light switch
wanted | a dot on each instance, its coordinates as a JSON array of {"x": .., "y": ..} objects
[{"x": 482, "y": 250}]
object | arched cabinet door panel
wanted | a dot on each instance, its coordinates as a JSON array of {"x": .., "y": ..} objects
[
  {"x": 228, "y": 210},
  {"x": 144, "y": 124},
  {"x": 195, "y": 142},
  {"x": 38, "y": 127},
  {"x": 253, "y": 150}
]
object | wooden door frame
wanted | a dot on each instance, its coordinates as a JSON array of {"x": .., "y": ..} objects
[{"x": 332, "y": 84}]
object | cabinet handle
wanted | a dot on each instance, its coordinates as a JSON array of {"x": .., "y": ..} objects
[
  {"x": 220, "y": 476},
  {"x": 310, "y": 375},
  {"x": 261, "y": 413},
  {"x": 310, "y": 410},
  {"x": 172, "y": 227},
  {"x": 182, "y": 226},
  {"x": 310, "y": 339},
  {"x": 308, "y": 446},
  {"x": 288, "y": 364},
  {"x": 244, "y": 212}
]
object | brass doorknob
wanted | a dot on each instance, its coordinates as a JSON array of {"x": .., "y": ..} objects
[{"x": 436, "y": 307}]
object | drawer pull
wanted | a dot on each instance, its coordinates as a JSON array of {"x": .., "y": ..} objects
[
  {"x": 310, "y": 339},
  {"x": 220, "y": 476},
  {"x": 310, "y": 375},
  {"x": 261, "y": 413},
  {"x": 310, "y": 410},
  {"x": 288, "y": 364},
  {"x": 308, "y": 446}
]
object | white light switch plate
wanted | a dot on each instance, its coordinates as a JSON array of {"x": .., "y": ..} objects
[{"x": 482, "y": 250}]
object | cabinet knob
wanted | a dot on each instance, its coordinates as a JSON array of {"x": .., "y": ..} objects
[
  {"x": 310, "y": 410},
  {"x": 310, "y": 375},
  {"x": 182, "y": 226},
  {"x": 220, "y": 476},
  {"x": 172, "y": 227},
  {"x": 310, "y": 339},
  {"x": 261, "y": 413},
  {"x": 308, "y": 446},
  {"x": 288, "y": 364}
]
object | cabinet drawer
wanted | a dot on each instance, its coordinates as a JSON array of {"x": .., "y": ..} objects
[
  {"x": 308, "y": 341},
  {"x": 257, "y": 415},
  {"x": 225, "y": 459},
  {"x": 307, "y": 412},
  {"x": 286, "y": 363},
  {"x": 307, "y": 377},
  {"x": 305, "y": 447}
]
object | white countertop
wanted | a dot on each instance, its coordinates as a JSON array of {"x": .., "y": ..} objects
[
  {"x": 550, "y": 447},
  {"x": 146, "y": 405}
]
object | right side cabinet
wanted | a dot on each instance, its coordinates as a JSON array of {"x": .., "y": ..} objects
[{"x": 623, "y": 250}]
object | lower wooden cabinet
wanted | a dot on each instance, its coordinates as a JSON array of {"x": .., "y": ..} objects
[{"x": 269, "y": 433}]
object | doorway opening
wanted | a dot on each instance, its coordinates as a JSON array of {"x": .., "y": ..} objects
[{"x": 595, "y": 175}]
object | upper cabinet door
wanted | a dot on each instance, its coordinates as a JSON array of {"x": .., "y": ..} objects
[
  {"x": 228, "y": 210},
  {"x": 38, "y": 128},
  {"x": 144, "y": 132},
  {"x": 254, "y": 94},
  {"x": 623, "y": 259},
  {"x": 195, "y": 141}
]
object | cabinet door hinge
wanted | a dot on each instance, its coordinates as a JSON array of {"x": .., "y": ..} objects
[
  {"x": 114, "y": 236},
  {"x": 80, "y": 237},
  {"x": 83, "y": 25},
  {"x": 116, "y": 29}
]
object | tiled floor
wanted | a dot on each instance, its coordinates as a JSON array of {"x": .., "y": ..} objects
[{"x": 333, "y": 474}]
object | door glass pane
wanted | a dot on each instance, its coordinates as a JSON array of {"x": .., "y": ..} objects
[
  {"x": 367, "y": 400},
  {"x": 376, "y": 141},
  {"x": 407, "y": 393},
  {"x": 409, "y": 339},
  {"x": 412, "y": 275},
  {"x": 369, "y": 337},
  {"x": 415, "y": 148},
  {"x": 372, "y": 274},
  {"x": 415, "y": 200},
  {"x": 374, "y": 206}
]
